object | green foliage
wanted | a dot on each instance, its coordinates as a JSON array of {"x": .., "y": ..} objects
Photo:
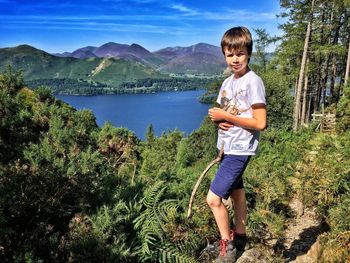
[
  {"x": 269, "y": 179},
  {"x": 71, "y": 191},
  {"x": 262, "y": 41},
  {"x": 212, "y": 91},
  {"x": 151, "y": 228},
  {"x": 279, "y": 100},
  {"x": 159, "y": 157},
  {"x": 150, "y": 136},
  {"x": 44, "y": 94},
  {"x": 343, "y": 111},
  {"x": 56, "y": 163},
  {"x": 16, "y": 127},
  {"x": 202, "y": 142},
  {"x": 326, "y": 178},
  {"x": 322, "y": 179},
  {"x": 336, "y": 247},
  {"x": 200, "y": 145},
  {"x": 339, "y": 216},
  {"x": 11, "y": 81}
]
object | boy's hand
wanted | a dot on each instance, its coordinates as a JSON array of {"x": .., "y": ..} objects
[
  {"x": 217, "y": 114},
  {"x": 225, "y": 125}
]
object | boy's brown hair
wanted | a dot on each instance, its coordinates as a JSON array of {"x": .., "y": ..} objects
[{"x": 237, "y": 38}]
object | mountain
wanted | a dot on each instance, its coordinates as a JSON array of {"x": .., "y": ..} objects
[
  {"x": 196, "y": 63},
  {"x": 92, "y": 62},
  {"x": 174, "y": 52},
  {"x": 133, "y": 52},
  {"x": 110, "y": 49},
  {"x": 85, "y": 52},
  {"x": 201, "y": 58},
  {"x": 37, "y": 64},
  {"x": 196, "y": 59}
]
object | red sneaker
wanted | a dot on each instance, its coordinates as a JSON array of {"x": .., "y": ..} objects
[{"x": 227, "y": 251}]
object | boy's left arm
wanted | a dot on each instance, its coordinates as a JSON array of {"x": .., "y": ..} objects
[{"x": 257, "y": 122}]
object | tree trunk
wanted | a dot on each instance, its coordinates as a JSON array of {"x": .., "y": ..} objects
[
  {"x": 334, "y": 59},
  {"x": 324, "y": 80},
  {"x": 308, "y": 113},
  {"x": 305, "y": 91},
  {"x": 302, "y": 70},
  {"x": 346, "y": 78},
  {"x": 324, "y": 69},
  {"x": 332, "y": 83}
]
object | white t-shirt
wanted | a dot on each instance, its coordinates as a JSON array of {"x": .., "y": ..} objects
[{"x": 237, "y": 96}]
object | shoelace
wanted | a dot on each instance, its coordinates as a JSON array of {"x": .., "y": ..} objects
[{"x": 223, "y": 246}]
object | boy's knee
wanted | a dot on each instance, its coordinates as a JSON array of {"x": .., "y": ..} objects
[{"x": 213, "y": 200}]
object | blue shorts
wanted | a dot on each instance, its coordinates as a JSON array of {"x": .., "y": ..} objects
[{"x": 229, "y": 175}]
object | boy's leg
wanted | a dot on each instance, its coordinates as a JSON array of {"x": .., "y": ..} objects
[
  {"x": 220, "y": 214},
  {"x": 240, "y": 206},
  {"x": 227, "y": 178}
]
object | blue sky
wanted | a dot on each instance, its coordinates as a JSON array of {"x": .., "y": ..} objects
[{"x": 61, "y": 25}]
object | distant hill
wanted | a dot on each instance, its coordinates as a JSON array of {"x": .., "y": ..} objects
[
  {"x": 196, "y": 59},
  {"x": 195, "y": 63},
  {"x": 175, "y": 52},
  {"x": 116, "y": 68},
  {"x": 38, "y": 64},
  {"x": 201, "y": 58},
  {"x": 113, "y": 63},
  {"x": 132, "y": 52}
]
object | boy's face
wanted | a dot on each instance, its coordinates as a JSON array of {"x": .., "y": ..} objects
[{"x": 237, "y": 60}]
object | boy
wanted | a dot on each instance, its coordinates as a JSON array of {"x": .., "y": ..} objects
[{"x": 241, "y": 116}]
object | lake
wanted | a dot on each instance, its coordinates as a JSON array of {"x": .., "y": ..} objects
[{"x": 164, "y": 110}]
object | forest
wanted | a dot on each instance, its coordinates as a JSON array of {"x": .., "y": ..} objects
[
  {"x": 65, "y": 86},
  {"x": 71, "y": 191}
]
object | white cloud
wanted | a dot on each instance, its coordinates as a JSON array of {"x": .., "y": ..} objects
[
  {"x": 97, "y": 26},
  {"x": 188, "y": 14},
  {"x": 242, "y": 15},
  {"x": 184, "y": 9}
]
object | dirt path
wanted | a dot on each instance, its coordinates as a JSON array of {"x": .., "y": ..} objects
[{"x": 301, "y": 233}]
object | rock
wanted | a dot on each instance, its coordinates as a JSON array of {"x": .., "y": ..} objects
[
  {"x": 253, "y": 255},
  {"x": 312, "y": 256},
  {"x": 297, "y": 206}
]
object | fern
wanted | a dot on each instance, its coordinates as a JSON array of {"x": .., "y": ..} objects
[
  {"x": 170, "y": 253},
  {"x": 168, "y": 209},
  {"x": 149, "y": 222},
  {"x": 151, "y": 228}
]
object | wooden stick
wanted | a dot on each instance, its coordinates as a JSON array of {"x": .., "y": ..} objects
[{"x": 216, "y": 160}]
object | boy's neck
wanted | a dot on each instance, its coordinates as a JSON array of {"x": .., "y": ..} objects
[{"x": 241, "y": 74}]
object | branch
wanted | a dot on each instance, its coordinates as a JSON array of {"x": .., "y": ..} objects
[{"x": 216, "y": 160}]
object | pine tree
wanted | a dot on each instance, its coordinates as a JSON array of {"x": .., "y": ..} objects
[{"x": 297, "y": 101}]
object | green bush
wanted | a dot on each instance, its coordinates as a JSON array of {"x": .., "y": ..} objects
[{"x": 343, "y": 111}]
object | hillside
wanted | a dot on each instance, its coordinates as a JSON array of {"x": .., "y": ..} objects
[
  {"x": 200, "y": 58},
  {"x": 116, "y": 68},
  {"x": 87, "y": 193},
  {"x": 175, "y": 52},
  {"x": 37, "y": 64},
  {"x": 133, "y": 52},
  {"x": 195, "y": 63}
]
